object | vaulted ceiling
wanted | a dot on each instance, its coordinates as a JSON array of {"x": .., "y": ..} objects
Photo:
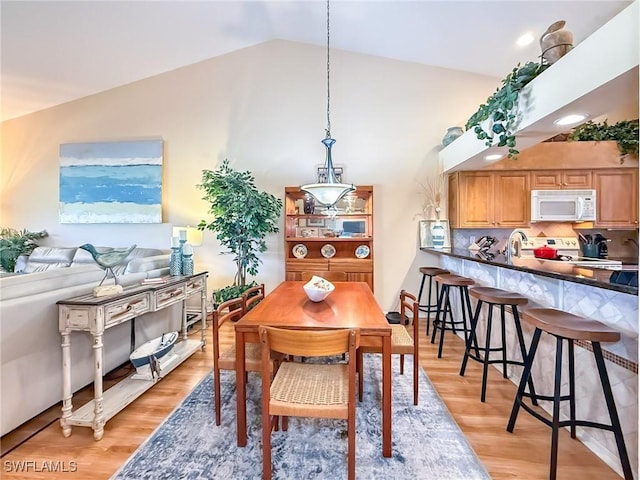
[{"x": 54, "y": 52}]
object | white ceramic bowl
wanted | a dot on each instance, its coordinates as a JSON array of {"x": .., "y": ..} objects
[{"x": 317, "y": 289}]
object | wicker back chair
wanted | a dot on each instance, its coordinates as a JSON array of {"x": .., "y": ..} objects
[
  {"x": 401, "y": 342},
  {"x": 308, "y": 389},
  {"x": 253, "y": 296},
  {"x": 224, "y": 358},
  {"x": 332, "y": 276}
]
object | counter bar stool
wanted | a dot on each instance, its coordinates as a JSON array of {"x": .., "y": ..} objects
[
  {"x": 448, "y": 280},
  {"x": 569, "y": 327},
  {"x": 502, "y": 298},
  {"x": 429, "y": 307}
]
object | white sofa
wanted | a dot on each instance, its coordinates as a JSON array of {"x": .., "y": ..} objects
[{"x": 30, "y": 352}]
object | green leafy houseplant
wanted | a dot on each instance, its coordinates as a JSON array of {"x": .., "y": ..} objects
[
  {"x": 14, "y": 243},
  {"x": 501, "y": 108},
  {"x": 624, "y": 133},
  {"x": 242, "y": 217},
  {"x": 229, "y": 292}
]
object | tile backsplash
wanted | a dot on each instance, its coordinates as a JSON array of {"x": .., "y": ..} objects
[{"x": 622, "y": 243}]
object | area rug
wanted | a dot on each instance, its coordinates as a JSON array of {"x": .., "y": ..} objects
[{"x": 426, "y": 441}]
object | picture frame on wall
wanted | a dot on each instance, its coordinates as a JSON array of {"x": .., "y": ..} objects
[
  {"x": 322, "y": 174},
  {"x": 111, "y": 182}
]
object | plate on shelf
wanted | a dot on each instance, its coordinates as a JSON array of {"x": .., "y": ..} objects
[
  {"x": 299, "y": 250},
  {"x": 362, "y": 251},
  {"x": 328, "y": 250}
]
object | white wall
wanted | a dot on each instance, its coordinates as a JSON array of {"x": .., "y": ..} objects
[{"x": 264, "y": 108}]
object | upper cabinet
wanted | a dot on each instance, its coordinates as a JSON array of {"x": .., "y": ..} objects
[
  {"x": 561, "y": 179},
  {"x": 489, "y": 199},
  {"x": 581, "y": 80},
  {"x": 502, "y": 199},
  {"x": 616, "y": 197}
]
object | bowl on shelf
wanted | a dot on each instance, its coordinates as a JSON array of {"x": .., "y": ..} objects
[{"x": 318, "y": 289}]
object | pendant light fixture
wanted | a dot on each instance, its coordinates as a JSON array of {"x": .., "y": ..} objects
[{"x": 328, "y": 193}]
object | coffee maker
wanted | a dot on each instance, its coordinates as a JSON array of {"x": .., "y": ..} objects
[{"x": 601, "y": 244}]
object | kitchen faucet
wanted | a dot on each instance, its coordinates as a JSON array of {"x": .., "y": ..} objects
[{"x": 507, "y": 251}]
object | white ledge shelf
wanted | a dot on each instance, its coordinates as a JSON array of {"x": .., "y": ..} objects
[{"x": 596, "y": 77}]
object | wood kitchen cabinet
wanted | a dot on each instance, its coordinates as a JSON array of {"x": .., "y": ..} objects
[
  {"x": 489, "y": 199},
  {"x": 616, "y": 197},
  {"x": 320, "y": 241},
  {"x": 561, "y": 179},
  {"x": 452, "y": 200}
]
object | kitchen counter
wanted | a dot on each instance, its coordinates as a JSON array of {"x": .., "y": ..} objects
[
  {"x": 616, "y": 280},
  {"x": 626, "y": 260},
  {"x": 587, "y": 292}
]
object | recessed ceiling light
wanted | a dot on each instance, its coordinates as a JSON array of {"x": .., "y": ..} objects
[
  {"x": 570, "y": 119},
  {"x": 493, "y": 156},
  {"x": 525, "y": 40}
]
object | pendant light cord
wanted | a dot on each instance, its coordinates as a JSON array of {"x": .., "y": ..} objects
[{"x": 328, "y": 130}]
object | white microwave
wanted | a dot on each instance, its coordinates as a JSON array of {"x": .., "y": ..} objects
[{"x": 563, "y": 205}]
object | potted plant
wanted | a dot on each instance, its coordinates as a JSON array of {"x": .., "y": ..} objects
[
  {"x": 500, "y": 109},
  {"x": 14, "y": 243},
  {"x": 242, "y": 217},
  {"x": 624, "y": 133}
]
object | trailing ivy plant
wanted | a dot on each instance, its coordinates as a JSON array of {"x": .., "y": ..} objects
[
  {"x": 242, "y": 218},
  {"x": 624, "y": 133},
  {"x": 501, "y": 108},
  {"x": 14, "y": 243}
]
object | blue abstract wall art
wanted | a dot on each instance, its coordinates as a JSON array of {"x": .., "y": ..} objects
[{"x": 111, "y": 182}]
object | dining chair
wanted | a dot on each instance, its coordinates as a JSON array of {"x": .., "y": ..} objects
[
  {"x": 318, "y": 390},
  {"x": 401, "y": 342},
  {"x": 252, "y": 296},
  {"x": 330, "y": 275},
  {"x": 225, "y": 359}
]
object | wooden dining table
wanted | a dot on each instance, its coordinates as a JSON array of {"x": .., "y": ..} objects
[{"x": 350, "y": 305}]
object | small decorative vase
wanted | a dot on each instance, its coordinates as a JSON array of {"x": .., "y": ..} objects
[
  {"x": 187, "y": 265},
  {"x": 437, "y": 234},
  {"x": 451, "y": 135},
  {"x": 309, "y": 205},
  {"x": 555, "y": 42},
  {"x": 175, "y": 261}
]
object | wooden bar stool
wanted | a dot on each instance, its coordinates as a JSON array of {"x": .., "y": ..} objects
[
  {"x": 569, "y": 327},
  {"x": 502, "y": 298},
  {"x": 429, "y": 307},
  {"x": 448, "y": 280}
]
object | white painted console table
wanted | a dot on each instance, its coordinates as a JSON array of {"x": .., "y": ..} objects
[{"x": 91, "y": 314}]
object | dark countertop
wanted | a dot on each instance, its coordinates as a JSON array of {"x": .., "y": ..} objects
[
  {"x": 625, "y": 260},
  {"x": 625, "y": 281}
]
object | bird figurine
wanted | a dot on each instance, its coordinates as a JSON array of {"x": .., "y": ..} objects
[{"x": 108, "y": 259}]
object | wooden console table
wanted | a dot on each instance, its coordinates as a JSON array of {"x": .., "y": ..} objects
[{"x": 94, "y": 315}]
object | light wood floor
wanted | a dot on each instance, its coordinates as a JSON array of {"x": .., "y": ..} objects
[{"x": 521, "y": 455}]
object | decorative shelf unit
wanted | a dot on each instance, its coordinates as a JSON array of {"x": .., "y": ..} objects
[{"x": 321, "y": 240}]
